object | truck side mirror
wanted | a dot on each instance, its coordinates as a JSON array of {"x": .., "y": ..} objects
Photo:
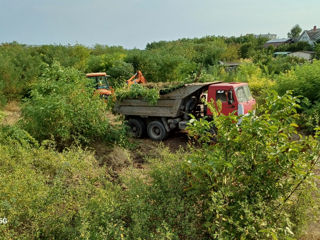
[{"x": 230, "y": 97}]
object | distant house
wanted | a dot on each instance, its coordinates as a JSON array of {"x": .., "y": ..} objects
[
  {"x": 310, "y": 36},
  {"x": 277, "y": 42},
  {"x": 307, "y": 55}
]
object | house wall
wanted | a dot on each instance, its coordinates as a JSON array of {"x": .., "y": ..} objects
[{"x": 304, "y": 55}]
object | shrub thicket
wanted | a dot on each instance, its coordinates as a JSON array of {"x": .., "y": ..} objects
[
  {"x": 64, "y": 108},
  {"x": 172, "y": 61},
  {"x": 255, "y": 182},
  {"x": 50, "y": 195},
  {"x": 158, "y": 203},
  {"x": 256, "y": 178},
  {"x": 18, "y": 68},
  {"x": 253, "y": 75},
  {"x": 304, "y": 81}
]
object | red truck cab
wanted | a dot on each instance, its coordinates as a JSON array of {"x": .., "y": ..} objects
[{"x": 235, "y": 97}]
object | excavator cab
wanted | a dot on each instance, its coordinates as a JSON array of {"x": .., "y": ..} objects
[{"x": 100, "y": 82}]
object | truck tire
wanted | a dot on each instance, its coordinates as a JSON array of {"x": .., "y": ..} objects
[
  {"x": 137, "y": 127},
  {"x": 156, "y": 131}
]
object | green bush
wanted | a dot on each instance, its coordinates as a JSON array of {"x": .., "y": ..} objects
[
  {"x": 150, "y": 92},
  {"x": 3, "y": 98},
  {"x": 293, "y": 47},
  {"x": 304, "y": 81},
  {"x": 282, "y": 64},
  {"x": 13, "y": 135},
  {"x": 158, "y": 205},
  {"x": 258, "y": 82},
  {"x": 310, "y": 116},
  {"x": 67, "y": 55},
  {"x": 19, "y": 67},
  {"x": 163, "y": 65},
  {"x": 256, "y": 180},
  {"x": 63, "y": 107},
  {"x": 50, "y": 195}
]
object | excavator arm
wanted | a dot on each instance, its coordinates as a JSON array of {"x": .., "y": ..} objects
[{"x": 138, "y": 78}]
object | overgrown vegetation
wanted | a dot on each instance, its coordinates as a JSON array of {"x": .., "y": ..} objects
[
  {"x": 50, "y": 195},
  {"x": 137, "y": 91},
  {"x": 304, "y": 81},
  {"x": 254, "y": 182},
  {"x": 62, "y": 107}
]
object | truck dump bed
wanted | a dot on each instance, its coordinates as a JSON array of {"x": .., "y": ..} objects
[{"x": 169, "y": 105}]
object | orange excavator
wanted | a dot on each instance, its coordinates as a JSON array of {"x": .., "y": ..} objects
[
  {"x": 101, "y": 84},
  {"x": 138, "y": 78}
]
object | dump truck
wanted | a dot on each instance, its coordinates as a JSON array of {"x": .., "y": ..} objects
[{"x": 172, "y": 110}]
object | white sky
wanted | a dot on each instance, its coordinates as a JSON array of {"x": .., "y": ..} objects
[{"x": 134, "y": 23}]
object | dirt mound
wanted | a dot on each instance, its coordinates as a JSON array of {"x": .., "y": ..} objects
[
  {"x": 12, "y": 113},
  {"x": 116, "y": 158},
  {"x": 312, "y": 232},
  {"x": 147, "y": 148},
  {"x": 113, "y": 157},
  {"x": 113, "y": 119}
]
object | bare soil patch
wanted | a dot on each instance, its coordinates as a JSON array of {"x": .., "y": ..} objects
[
  {"x": 12, "y": 113},
  {"x": 312, "y": 232}
]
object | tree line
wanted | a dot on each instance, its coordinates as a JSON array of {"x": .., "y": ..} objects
[{"x": 21, "y": 65}]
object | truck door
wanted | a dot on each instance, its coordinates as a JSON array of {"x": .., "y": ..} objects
[{"x": 226, "y": 96}]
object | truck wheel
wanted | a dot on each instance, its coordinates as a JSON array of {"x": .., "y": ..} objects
[
  {"x": 137, "y": 127},
  {"x": 156, "y": 131}
]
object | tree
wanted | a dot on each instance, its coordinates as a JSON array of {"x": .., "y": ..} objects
[
  {"x": 317, "y": 50},
  {"x": 294, "y": 32}
]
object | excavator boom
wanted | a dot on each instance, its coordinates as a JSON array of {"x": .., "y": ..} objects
[{"x": 138, "y": 78}]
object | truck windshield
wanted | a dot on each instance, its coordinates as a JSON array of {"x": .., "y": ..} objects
[{"x": 243, "y": 93}]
